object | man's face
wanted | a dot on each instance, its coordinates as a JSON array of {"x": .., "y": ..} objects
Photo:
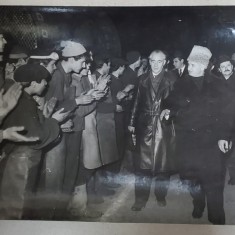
[
  {"x": 78, "y": 65},
  {"x": 157, "y": 62},
  {"x": 195, "y": 69},
  {"x": 39, "y": 87},
  {"x": 138, "y": 62},
  {"x": 3, "y": 42},
  {"x": 121, "y": 70},
  {"x": 226, "y": 68},
  {"x": 178, "y": 63},
  {"x": 106, "y": 68}
]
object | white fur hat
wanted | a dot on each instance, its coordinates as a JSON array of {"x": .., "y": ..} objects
[
  {"x": 72, "y": 48},
  {"x": 200, "y": 55}
]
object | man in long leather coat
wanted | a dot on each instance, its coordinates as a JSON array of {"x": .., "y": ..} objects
[
  {"x": 145, "y": 122},
  {"x": 196, "y": 103}
]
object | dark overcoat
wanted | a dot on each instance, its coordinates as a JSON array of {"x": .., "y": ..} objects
[
  {"x": 145, "y": 117},
  {"x": 200, "y": 123}
]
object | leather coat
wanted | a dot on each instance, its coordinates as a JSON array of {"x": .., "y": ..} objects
[{"x": 145, "y": 117}]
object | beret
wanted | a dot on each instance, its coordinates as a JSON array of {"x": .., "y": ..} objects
[{"x": 31, "y": 72}]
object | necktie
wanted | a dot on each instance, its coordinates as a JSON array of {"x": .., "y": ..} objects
[{"x": 180, "y": 72}]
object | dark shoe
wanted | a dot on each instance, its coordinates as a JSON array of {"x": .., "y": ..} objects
[
  {"x": 231, "y": 181},
  {"x": 197, "y": 212},
  {"x": 161, "y": 203},
  {"x": 137, "y": 206}
]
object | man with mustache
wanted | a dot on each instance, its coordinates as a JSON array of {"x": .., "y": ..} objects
[{"x": 227, "y": 77}]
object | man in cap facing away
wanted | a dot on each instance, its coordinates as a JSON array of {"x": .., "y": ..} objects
[
  {"x": 130, "y": 77},
  {"x": 195, "y": 104}
]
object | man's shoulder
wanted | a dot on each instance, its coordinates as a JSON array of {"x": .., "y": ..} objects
[
  {"x": 170, "y": 74},
  {"x": 57, "y": 74},
  {"x": 129, "y": 72},
  {"x": 144, "y": 77}
]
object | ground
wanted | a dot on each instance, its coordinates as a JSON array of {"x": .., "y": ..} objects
[{"x": 117, "y": 208}]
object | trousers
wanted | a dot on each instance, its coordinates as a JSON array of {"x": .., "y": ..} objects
[
  {"x": 143, "y": 181},
  {"x": 19, "y": 182}
]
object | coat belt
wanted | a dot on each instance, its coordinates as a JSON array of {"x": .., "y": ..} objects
[{"x": 151, "y": 113}]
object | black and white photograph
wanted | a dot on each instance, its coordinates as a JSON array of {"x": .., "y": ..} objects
[{"x": 118, "y": 114}]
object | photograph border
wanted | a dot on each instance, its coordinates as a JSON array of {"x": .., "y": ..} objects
[{"x": 98, "y": 228}]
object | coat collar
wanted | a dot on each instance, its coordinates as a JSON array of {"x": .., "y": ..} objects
[
  {"x": 68, "y": 79},
  {"x": 156, "y": 94}
]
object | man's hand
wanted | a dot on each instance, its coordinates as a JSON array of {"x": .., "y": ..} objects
[
  {"x": 131, "y": 129},
  {"x": 12, "y": 134},
  {"x": 129, "y": 87},
  {"x": 67, "y": 125},
  {"x": 102, "y": 82},
  {"x": 121, "y": 95},
  {"x": 96, "y": 94},
  {"x": 89, "y": 92},
  {"x": 165, "y": 113},
  {"x": 9, "y": 100},
  {"x": 84, "y": 99},
  {"x": 224, "y": 145},
  {"x": 119, "y": 108},
  {"x": 49, "y": 107},
  {"x": 59, "y": 116}
]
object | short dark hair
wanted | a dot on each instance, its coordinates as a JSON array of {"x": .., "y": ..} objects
[
  {"x": 179, "y": 55},
  {"x": 99, "y": 62},
  {"x": 115, "y": 67}
]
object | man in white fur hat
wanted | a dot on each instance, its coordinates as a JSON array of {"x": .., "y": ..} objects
[{"x": 195, "y": 104}]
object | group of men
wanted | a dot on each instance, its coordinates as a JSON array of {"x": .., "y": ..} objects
[
  {"x": 73, "y": 125},
  {"x": 79, "y": 126}
]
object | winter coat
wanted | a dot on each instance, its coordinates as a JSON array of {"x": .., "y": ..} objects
[{"x": 145, "y": 117}]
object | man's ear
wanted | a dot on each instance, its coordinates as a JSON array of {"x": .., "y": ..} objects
[
  {"x": 204, "y": 67},
  {"x": 182, "y": 61},
  {"x": 219, "y": 70},
  {"x": 164, "y": 62}
]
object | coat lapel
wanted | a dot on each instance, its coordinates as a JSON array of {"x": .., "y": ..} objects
[{"x": 150, "y": 87}]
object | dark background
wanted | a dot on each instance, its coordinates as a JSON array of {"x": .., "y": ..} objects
[{"x": 114, "y": 31}]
